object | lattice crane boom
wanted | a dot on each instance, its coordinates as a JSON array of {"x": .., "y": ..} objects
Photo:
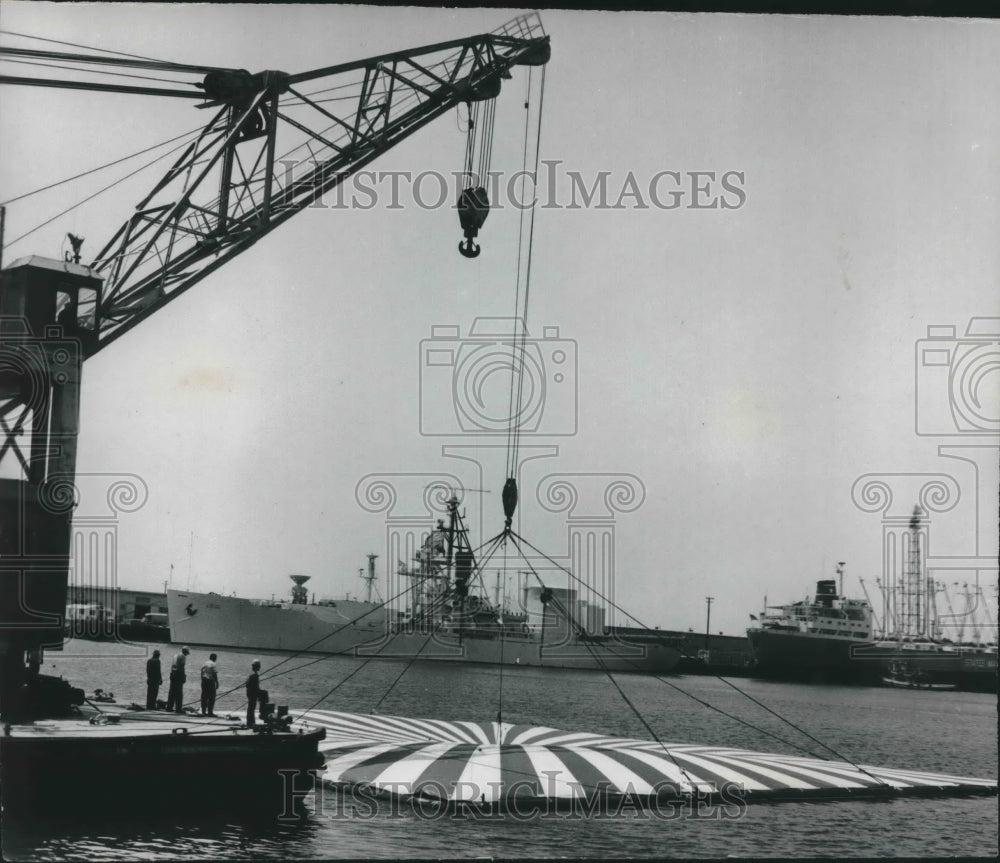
[{"x": 270, "y": 150}]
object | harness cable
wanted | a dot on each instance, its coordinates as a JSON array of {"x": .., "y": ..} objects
[
  {"x": 440, "y": 600},
  {"x": 413, "y": 658},
  {"x": 626, "y": 699},
  {"x": 788, "y": 722},
  {"x": 502, "y": 628},
  {"x": 267, "y": 674}
]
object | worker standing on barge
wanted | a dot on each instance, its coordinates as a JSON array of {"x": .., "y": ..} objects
[
  {"x": 253, "y": 691},
  {"x": 209, "y": 685},
  {"x": 175, "y": 698},
  {"x": 154, "y": 680}
]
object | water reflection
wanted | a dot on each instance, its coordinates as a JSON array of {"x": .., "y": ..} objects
[{"x": 245, "y": 834}]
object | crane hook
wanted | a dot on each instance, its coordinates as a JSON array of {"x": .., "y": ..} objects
[
  {"x": 473, "y": 208},
  {"x": 468, "y": 248}
]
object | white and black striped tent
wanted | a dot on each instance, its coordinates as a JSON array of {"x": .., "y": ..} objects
[{"x": 487, "y": 762}]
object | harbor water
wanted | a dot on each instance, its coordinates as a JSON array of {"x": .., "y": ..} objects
[{"x": 946, "y": 732}]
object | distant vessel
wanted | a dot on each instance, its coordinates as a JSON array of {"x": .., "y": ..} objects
[
  {"x": 448, "y": 617},
  {"x": 835, "y": 638},
  {"x": 903, "y": 675},
  {"x": 815, "y": 639}
]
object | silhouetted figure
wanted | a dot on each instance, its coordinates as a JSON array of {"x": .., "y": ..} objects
[
  {"x": 154, "y": 680},
  {"x": 175, "y": 698},
  {"x": 253, "y": 691}
]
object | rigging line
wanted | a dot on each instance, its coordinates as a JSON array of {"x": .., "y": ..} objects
[
  {"x": 648, "y": 629},
  {"x": 267, "y": 675},
  {"x": 600, "y": 661},
  {"x": 610, "y": 602},
  {"x": 531, "y": 232},
  {"x": 857, "y": 767},
  {"x": 531, "y": 237},
  {"x": 514, "y": 408},
  {"x": 98, "y": 192},
  {"x": 357, "y": 83},
  {"x": 502, "y": 627},
  {"x": 77, "y": 45},
  {"x": 737, "y": 719},
  {"x": 515, "y": 537},
  {"x": 68, "y": 68},
  {"x": 336, "y": 687},
  {"x": 440, "y": 601},
  {"x": 369, "y": 659},
  {"x": 308, "y": 647},
  {"x": 695, "y": 698},
  {"x": 718, "y": 710},
  {"x": 99, "y": 167},
  {"x": 346, "y": 652}
]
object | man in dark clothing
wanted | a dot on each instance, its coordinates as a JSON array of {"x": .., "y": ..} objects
[
  {"x": 253, "y": 691},
  {"x": 154, "y": 680},
  {"x": 175, "y": 698}
]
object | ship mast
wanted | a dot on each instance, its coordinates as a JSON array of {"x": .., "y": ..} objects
[
  {"x": 369, "y": 578},
  {"x": 915, "y": 597}
]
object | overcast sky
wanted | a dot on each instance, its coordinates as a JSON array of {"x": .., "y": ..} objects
[{"x": 740, "y": 366}]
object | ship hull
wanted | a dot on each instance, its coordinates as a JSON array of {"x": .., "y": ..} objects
[
  {"x": 229, "y": 622},
  {"x": 963, "y": 668},
  {"x": 556, "y": 651},
  {"x": 803, "y": 656},
  {"x": 225, "y": 621}
]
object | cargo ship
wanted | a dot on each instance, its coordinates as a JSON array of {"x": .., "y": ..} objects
[
  {"x": 833, "y": 638},
  {"x": 446, "y": 616},
  {"x": 816, "y": 639}
]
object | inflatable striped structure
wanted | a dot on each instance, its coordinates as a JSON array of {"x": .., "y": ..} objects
[{"x": 491, "y": 763}]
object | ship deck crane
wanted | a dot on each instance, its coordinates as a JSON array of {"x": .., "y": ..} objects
[{"x": 268, "y": 150}]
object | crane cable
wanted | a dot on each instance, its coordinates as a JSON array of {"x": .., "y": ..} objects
[
  {"x": 518, "y": 345},
  {"x": 84, "y": 69},
  {"x": 100, "y": 191},
  {"x": 77, "y": 45},
  {"x": 99, "y": 167}
]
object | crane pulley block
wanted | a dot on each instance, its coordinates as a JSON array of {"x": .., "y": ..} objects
[
  {"x": 487, "y": 87},
  {"x": 238, "y": 87},
  {"x": 473, "y": 208},
  {"x": 537, "y": 55},
  {"x": 509, "y": 497}
]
